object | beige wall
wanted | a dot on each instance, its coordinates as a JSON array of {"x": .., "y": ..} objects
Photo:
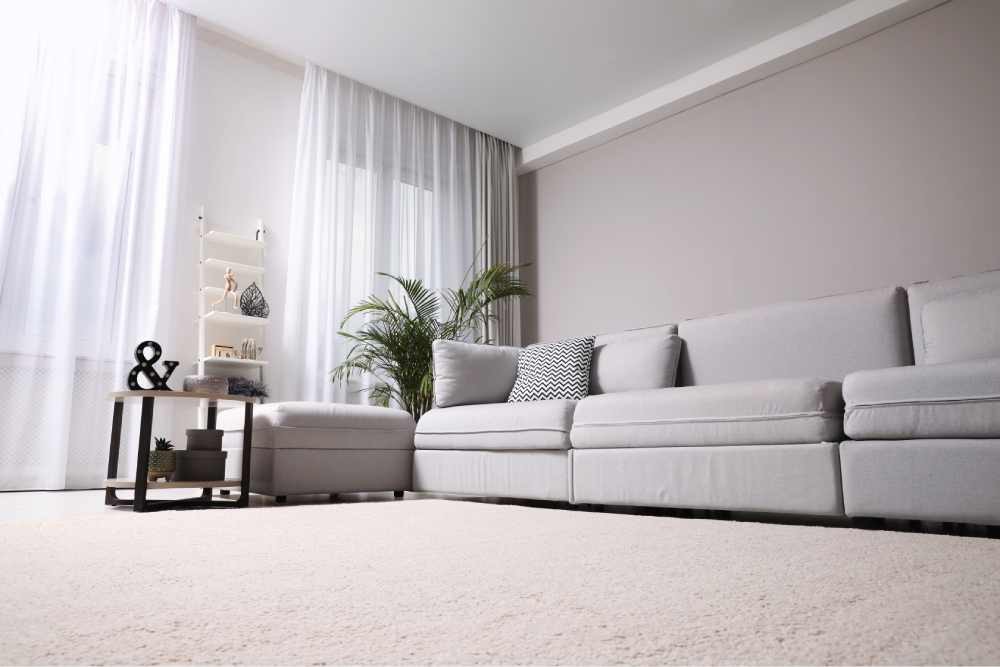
[{"x": 877, "y": 164}]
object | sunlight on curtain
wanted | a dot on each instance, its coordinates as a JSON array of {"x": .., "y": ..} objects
[
  {"x": 94, "y": 96},
  {"x": 380, "y": 185}
]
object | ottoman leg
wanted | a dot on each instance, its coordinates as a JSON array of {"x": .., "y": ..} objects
[
  {"x": 397, "y": 494},
  {"x": 280, "y": 499}
]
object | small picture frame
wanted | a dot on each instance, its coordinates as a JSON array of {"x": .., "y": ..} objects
[{"x": 223, "y": 351}]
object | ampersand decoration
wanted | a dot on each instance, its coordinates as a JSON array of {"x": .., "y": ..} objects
[{"x": 145, "y": 366}]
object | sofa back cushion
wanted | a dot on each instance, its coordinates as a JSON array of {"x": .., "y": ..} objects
[
  {"x": 962, "y": 327},
  {"x": 467, "y": 373},
  {"x": 921, "y": 295},
  {"x": 636, "y": 359},
  {"x": 827, "y": 337}
]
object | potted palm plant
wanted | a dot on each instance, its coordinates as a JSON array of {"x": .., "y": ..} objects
[{"x": 393, "y": 344}]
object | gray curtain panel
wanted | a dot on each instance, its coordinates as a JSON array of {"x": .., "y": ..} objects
[{"x": 496, "y": 226}]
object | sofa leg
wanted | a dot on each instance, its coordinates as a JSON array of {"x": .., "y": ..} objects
[
  {"x": 397, "y": 494},
  {"x": 280, "y": 499}
]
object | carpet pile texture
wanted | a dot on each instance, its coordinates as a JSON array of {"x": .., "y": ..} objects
[{"x": 436, "y": 581}]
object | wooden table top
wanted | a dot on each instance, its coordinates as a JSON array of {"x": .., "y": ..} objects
[{"x": 154, "y": 393}]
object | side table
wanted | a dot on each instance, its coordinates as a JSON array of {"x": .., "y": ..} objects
[{"x": 140, "y": 484}]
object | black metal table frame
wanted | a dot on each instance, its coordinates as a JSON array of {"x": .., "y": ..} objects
[{"x": 139, "y": 501}]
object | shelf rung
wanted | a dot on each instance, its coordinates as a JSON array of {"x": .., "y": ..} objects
[
  {"x": 235, "y": 266},
  {"x": 232, "y": 318},
  {"x": 235, "y": 362},
  {"x": 226, "y": 238},
  {"x": 119, "y": 483}
]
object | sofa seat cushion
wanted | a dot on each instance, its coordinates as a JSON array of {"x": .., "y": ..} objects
[
  {"x": 497, "y": 426},
  {"x": 316, "y": 425},
  {"x": 958, "y": 400},
  {"x": 762, "y": 412}
]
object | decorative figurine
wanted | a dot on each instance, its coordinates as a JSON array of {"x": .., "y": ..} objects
[
  {"x": 252, "y": 302},
  {"x": 145, "y": 366},
  {"x": 231, "y": 286}
]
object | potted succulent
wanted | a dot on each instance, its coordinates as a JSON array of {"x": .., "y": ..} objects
[{"x": 162, "y": 460}]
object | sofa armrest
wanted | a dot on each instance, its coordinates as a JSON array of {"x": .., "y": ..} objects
[{"x": 469, "y": 373}]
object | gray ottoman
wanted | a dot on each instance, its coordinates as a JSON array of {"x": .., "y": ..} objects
[{"x": 304, "y": 447}]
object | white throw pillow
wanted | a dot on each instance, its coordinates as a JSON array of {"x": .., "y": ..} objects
[
  {"x": 962, "y": 327},
  {"x": 549, "y": 371}
]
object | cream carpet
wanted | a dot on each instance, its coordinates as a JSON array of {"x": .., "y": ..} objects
[{"x": 435, "y": 581}]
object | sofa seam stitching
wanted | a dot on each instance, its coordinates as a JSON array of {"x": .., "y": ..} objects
[
  {"x": 504, "y": 430},
  {"x": 713, "y": 420},
  {"x": 922, "y": 401}
]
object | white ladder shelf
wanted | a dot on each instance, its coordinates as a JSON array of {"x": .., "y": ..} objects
[{"x": 219, "y": 241}]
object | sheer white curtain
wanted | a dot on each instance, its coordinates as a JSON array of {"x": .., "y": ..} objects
[
  {"x": 380, "y": 185},
  {"x": 93, "y": 100}
]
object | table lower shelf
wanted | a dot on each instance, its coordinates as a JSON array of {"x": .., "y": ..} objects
[{"x": 119, "y": 483}]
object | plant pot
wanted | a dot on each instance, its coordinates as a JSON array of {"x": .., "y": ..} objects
[
  {"x": 162, "y": 463},
  {"x": 204, "y": 440}
]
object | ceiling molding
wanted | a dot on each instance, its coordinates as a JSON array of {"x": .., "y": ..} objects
[
  {"x": 826, "y": 33},
  {"x": 216, "y": 35}
]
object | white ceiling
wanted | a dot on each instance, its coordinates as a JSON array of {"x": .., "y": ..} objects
[{"x": 518, "y": 69}]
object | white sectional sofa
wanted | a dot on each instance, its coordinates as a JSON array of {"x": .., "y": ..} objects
[{"x": 756, "y": 419}]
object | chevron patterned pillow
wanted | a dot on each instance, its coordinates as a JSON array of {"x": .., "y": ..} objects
[{"x": 548, "y": 371}]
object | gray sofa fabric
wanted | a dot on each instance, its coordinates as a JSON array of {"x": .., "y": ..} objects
[
  {"x": 282, "y": 472},
  {"x": 632, "y": 334},
  {"x": 316, "y": 425},
  {"x": 828, "y": 338},
  {"x": 920, "y": 294},
  {"x": 797, "y": 478},
  {"x": 467, "y": 373},
  {"x": 960, "y": 400},
  {"x": 542, "y": 475},
  {"x": 497, "y": 426},
  {"x": 927, "y": 479},
  {"x": 763, "y": 412},
  {"x": 636, "y": 359},
  {"x": 962, "y": 327}
]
